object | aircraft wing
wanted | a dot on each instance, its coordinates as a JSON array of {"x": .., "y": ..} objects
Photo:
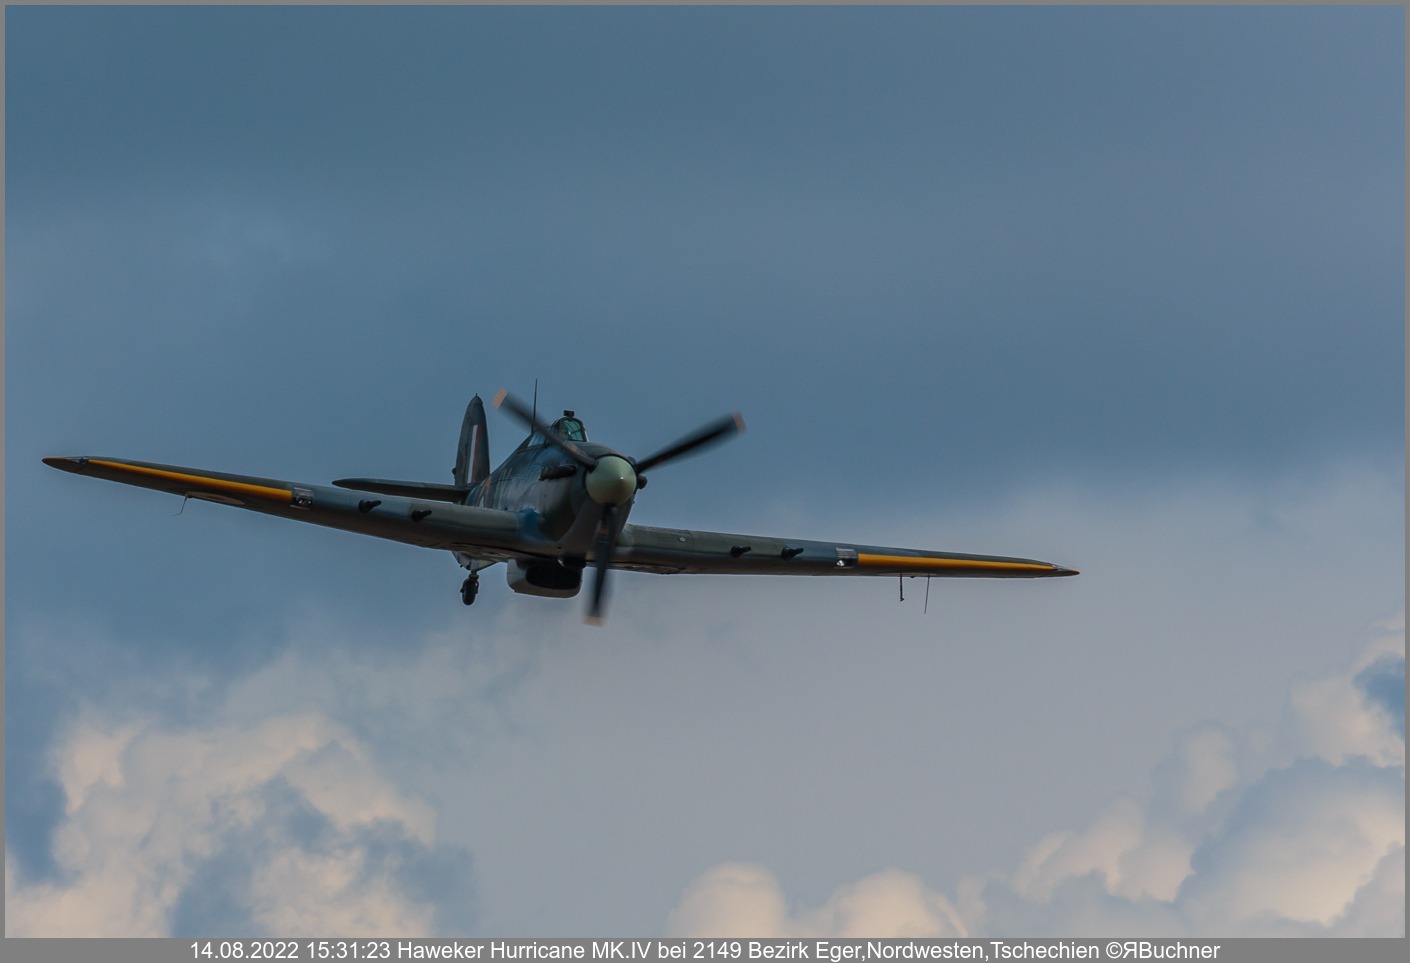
[
  {"x": 643, "y": 548},
  {"x": 497, "y": 535},
  {"x": 486, "y": 533}
]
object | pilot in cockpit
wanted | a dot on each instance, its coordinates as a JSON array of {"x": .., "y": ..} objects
[{"x": 570, "y": 427}]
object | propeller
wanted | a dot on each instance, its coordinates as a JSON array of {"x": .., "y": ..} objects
[
  {"x": 602, "y": 562},
  {"x": 526, "y": 415},
  {"x": 612, "y": 480},
  {"x": 716, "y": 431}
]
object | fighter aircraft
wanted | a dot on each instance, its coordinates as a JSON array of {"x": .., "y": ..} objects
[{"x": 558, "y": 504}]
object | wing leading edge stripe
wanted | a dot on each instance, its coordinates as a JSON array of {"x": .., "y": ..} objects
[
  {"x": 909, "y": 561},
  {"x": 216, "y": 484}
]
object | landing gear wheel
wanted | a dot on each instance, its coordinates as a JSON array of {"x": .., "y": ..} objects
[{"x": 470, "y": 589}]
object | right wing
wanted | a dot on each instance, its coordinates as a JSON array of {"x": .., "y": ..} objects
[
  {"x": 643, "y": 548},
  {"x": 486, "y": 533}
]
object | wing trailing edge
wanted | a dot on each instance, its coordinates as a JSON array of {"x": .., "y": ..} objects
[{"x": 406, "y": 489}]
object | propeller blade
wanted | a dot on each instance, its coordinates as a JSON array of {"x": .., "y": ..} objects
[
  {"x": 524, "y": 414},
  {"x": 602, "y": 562},
  {"x": 713, "y": 433}
]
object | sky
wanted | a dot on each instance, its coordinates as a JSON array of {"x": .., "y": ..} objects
[{"x": 1118, "y": 288}]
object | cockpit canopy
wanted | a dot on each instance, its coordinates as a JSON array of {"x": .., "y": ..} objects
[{"x": 570, "y": 427}]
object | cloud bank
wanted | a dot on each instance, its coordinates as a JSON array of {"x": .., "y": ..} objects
[
  {"x": 1295, "y": 832},
  {"x": 340, "y": 776},
  {"x": 277, "y": 827}
]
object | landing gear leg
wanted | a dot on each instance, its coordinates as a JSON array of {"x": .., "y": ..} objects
[{"x": 469, "y": 589}]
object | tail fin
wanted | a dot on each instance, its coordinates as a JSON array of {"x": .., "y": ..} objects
[{"x": 472, "y": 458}]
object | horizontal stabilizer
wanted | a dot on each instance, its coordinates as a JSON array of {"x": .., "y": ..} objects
[{"x": 406, "y": 489}]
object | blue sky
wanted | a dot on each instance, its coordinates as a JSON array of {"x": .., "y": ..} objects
[{"x": 1122, "y": 288}]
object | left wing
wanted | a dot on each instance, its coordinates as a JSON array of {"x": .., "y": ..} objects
[
  {"x": 486, "y": 533},
  {"x": 668, "y": 550}
]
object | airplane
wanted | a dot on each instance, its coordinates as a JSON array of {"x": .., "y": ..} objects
[{"x": 557, "y": 505}]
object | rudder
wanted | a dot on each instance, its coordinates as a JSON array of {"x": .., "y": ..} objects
[{"x": 472, "y": 458}]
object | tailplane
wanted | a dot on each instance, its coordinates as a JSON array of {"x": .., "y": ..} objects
[
  {"x": 472, "y": 465},
  {"x": 472, "y": 458}
]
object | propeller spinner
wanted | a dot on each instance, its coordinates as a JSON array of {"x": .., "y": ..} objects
[{"x": 612, "y": 480}]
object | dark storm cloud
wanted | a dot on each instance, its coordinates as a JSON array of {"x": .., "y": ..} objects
[{"x": 1068, "y": 240}]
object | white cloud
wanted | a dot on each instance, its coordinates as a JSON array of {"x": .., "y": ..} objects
[
  {"x": 1203, "y": 765},
  {"x": 276, "y": 827},
  {"x": 1133, "y": 861},
  {"x": 745, "y": 900},
  {"x": 1303, "y": 837},
  {"x": 732, "y": 899},
  {"x": 1379, "y": 906},
  {"x": 1301, "y": 844},
  {"x": 1331, "y": 717}
]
